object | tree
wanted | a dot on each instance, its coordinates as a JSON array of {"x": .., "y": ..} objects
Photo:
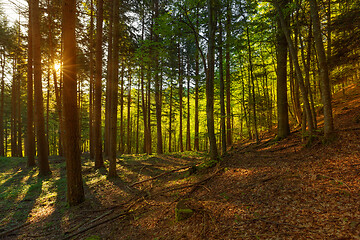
[
  {"x": 324, "y": 71},
  {"x": 75, "y": 189},
  {"x": 99, "y": 163},
  {"x": 30, "y": 110},
  {"x": 212, "y": 4},
  {"x": 282, "y": 102},
  {"x": 44, "y": 167}
]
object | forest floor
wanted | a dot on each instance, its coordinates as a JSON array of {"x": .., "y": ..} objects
[{"x": 271, "y": 190}]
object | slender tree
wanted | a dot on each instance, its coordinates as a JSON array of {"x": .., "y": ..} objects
[
  {"x": 30, "y": 138},
  {"x": 212, "y": 4},
  {"x": 99, "y": 162},
  {"x": 44, "y": 167}
]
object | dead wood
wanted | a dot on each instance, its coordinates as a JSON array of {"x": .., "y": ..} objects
[
  {"x": 160, "y": 175},
  {"x": 96, "y": 224}
]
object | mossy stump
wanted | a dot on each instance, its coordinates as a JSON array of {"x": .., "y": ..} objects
[{"x": 182, "y": 210}]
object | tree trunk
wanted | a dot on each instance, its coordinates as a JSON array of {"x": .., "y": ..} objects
[
  {"x": 324, "y": 72},
  {"x": 99, "y": 162},
  {"x": 228, "y": 76},
  {"x": 44, "y": 168},
  {"x": 180, "y": 98},
  {"x": 299, "y": 75},
  {"x": 114, "y": 93},
  {"x": 31, "y": 161},
  {"x": 30, "y": 138},
  {"x": 188, "y": 138},
  {"x": 251, "y": 75},
  {"x": 222, "y": 93},
  {"x": 75, "y": 189},
  {"x": 128, "y": 144},
  {"x": 210, "y": 80},
  {"x": 281, "y": 90},
  {"x": 91, "y": 82}
]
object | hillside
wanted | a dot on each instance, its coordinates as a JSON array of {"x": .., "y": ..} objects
[{"x": 271, "y": 190}]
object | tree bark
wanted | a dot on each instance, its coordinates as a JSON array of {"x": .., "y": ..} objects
[
  {"x": 30, "y": 139},
  {"x": 44, "y": 168},
  {"x": 228, "y": 75},
  {"x": 281, "y": 90},
  {"x": 210, "y": 80},
  {"x": 75, "y": 189},
  {"x": 222, "y": 93},
  {"x": 99, "y": 162},
  {"x": 324, "y": 72},
  {"x": 114, "y": 93}
]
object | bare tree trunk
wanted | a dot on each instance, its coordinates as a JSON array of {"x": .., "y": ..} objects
[
  {"x": 99, "y": 162},
  {"x": 44, "y": 167},
  {"x": 91, "y": 83},
  {"x": 31, "y": 161},
  {"x": 114, "y": 93},
  {"x": 222, "y": 92},
  {"x": 128, "y": 147},
  {"x": 180, "y": 99},
  {"x": 281, "y": 90},
  {"x": 252, "y": 88},
  {"x": 210, "y": 80},
  {"x": 299, "y": 75},
  {"x": 188, "y": 138},
  {"x": 228, "y": 76},
  {"x": 324, "y": 72},
  {"x": 75, "y": 189},
  {"x": 30, "y": 101}
]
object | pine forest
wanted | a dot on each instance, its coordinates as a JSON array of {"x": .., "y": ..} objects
[{"x": 190, "y": 119}]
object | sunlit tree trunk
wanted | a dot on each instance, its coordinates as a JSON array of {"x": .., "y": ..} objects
[
  {"x": 180, "y": 98},
  {"x": 44, "y": 167},
  {"x": 188, "y": 139},
  {"x": 75, "y": 189},
  {"x": 91, "y": 82},
  {"x": 128, "y": 143}
]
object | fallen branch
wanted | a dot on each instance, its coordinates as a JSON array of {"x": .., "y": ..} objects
[
  {"x": 160, "y": 175},
  {"x": 13, "y": 229},
  {"x": 96, "y": 224},
  {"x": 90, "y": 222}
]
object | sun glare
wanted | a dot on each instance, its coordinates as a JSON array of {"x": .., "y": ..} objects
[{"x": 57, "y": 66}]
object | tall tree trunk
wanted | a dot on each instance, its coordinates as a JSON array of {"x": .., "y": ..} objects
[
  {"x": 170, "y": 116},
  {"x": 108, "y": 79},
  {"x": 222, "y": 92},
  {"x": 31, "y": 161},
  {"x": 99, "y": 162},
  {"x": 44, "y": 168},
  {"x": 75, "y": 189},
  {"x": 281, "y": 90},
  {"x": 299, "y": 74},
  {"x": 228, "y": 76},
  {"x": 122, "y": 135},
  {"x": 114, "y": 93},
  {"x": 128, "y": 144},
  {"x": 14, "y": 112},
  {"x": 210, "y": 80},
  {"x": 30, "y": 138},
  {"x": 180, "y": 98},
  {"x": 91, "y": 82},
  {"x": 252, "y": 88},
  {"x": 196, "y": 140},
  {"x": 324, "y": 72},
  {"x": 159, "y": 145},
  {"x": 188, "y": 139}
]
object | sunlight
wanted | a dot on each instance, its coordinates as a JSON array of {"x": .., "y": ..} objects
[{"x": 57, "y": 66}]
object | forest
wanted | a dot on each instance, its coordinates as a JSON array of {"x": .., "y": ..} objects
[{"x": 191, "y": 119}]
